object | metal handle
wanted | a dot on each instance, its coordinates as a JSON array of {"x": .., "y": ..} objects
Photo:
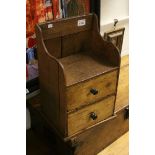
[
  {"x": 93, "y": 115},
  {"x": 94, "y": 91},
  {"x": 126, "y": 116}
]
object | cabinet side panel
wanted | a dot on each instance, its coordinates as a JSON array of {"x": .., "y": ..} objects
[
  {"x": 48, "y": 78},
  {"x": 54, "y": 46}
]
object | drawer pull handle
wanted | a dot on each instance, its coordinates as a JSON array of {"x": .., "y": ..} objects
[
  {"x": 93, "y": 116},
  {"x": 94, "y": 91},
  {"x": 126, "y": 113}
]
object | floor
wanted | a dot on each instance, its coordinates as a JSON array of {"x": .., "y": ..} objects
[
  {"x": 38, "y": 145},
  {"x": 119, "y": 147}
]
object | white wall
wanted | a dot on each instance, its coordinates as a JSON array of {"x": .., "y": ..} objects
[{"x": 116, "y": 9}]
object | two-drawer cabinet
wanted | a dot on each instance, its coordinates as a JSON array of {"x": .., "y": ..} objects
[
  {"x": 91, "y": 101},
  {"x": 78, "y": 74}
]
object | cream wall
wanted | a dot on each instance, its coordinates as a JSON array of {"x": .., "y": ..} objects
[{"x": 116, "y": 9}]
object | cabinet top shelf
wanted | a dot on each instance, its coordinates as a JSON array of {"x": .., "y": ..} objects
[{"x": 83, "y": 66}]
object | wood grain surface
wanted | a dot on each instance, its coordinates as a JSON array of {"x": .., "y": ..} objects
[
  {"x": 68, "y": 55},
  {"x": 81, "y": 119},
  {"x": 99, "y": 137},
  {"x": 119, "y": 147},
  {"x": 83, "y": 66},
  {"x": 80, "y": 95},
  {"x": 70, "y": 26},
  {"x": 94, "y": 140},
  {"x": 122, "y": 98}
]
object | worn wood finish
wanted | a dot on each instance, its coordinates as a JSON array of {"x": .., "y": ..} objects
[
  {"x": 65, "y": 26},
  {"x": 94, "y": 140},
  {"x": 116, "y": 37},
  {"x": 102, "y": 109},
  {"x": 111, "y": 53},
  {"x": 122, "y": 98},
  {"x": 54, "y": 47},
  {"x": 74, "y": 43},
  {"x": 84, "y": 66},
  {"x": 48, "y": 83},
  {"x": 51, "y": 77},
  {"x": 61, "y": 44},
  {"x": 80, "y": 94}
]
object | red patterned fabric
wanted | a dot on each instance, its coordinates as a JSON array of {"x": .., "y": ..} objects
[
  {"x": 76, "y": 7},
  {"x": 31, "y": 42},
  {"x": 29, "y": 18},
  {"x": 37, "y": 11},
  {"x": 56, "y": 11}
]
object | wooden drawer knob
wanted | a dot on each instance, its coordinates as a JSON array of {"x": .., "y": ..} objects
[
  {"x": 94, "y": 91},
  {"x": 93, "y": 115}
]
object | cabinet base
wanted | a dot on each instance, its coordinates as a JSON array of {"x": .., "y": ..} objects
[{"x": 95, "y": 139}]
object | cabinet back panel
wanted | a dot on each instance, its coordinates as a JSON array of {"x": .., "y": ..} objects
[
  {"x": 67, "y": 45},
  {"x": 75, "y": 43}
]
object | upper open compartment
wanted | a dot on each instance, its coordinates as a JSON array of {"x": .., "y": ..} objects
[
  {"x": 67, "y": 36},
  {"x": 76, "y": 45}
]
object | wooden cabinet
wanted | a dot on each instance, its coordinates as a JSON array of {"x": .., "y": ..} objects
[
  {"x": 78, "y": 74},
  {"x": 99, "y": 134}
]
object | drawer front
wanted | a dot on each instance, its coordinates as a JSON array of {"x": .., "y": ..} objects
[
  {"x": 91, "y": 91},
  {"x": 90, "y": 115}
]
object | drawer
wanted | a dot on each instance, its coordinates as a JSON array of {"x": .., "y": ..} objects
[
  {"x": 92, "y": 90},
  {"x": 90, "y": 115}
]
